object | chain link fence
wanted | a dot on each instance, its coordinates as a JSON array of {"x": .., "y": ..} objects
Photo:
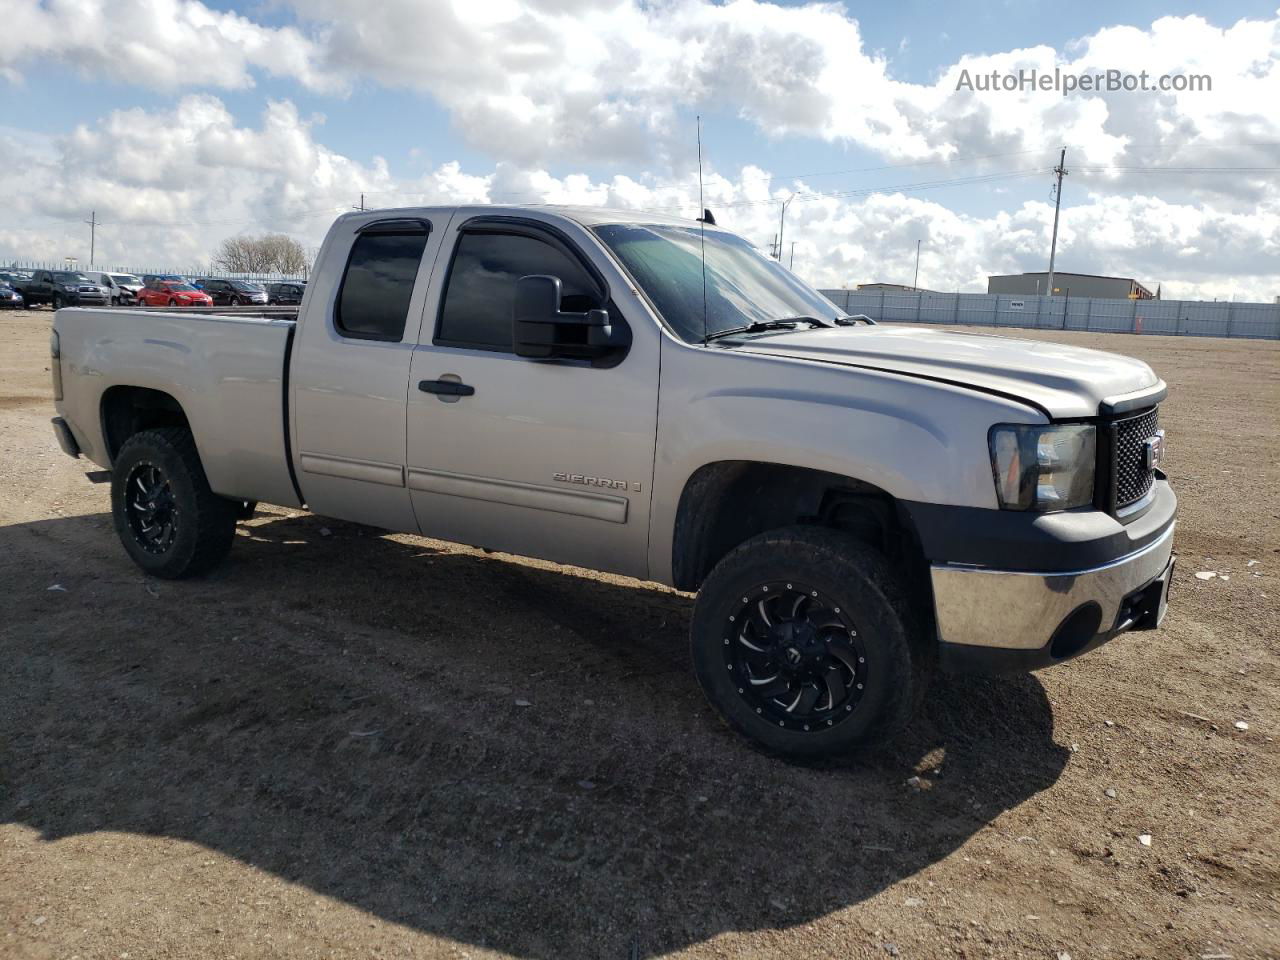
[
  {"x": 1193, "y": 318},
  {"x": 29, "y": 265}
]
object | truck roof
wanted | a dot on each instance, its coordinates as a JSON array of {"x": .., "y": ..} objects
[{"x": 587, "y": 216}]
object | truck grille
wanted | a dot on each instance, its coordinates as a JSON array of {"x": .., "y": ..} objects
[{"x": 1132, "y": 476}]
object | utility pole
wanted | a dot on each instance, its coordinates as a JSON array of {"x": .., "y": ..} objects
[
  {"x": 915, "y": 281},
  {"x": 93, "y": 231},
  {"x": 1061, "y": 171},
  {"x": 361, "y": 207},
  {"x": 782, "y": 221},
  {"x": 792, "y": 265}
]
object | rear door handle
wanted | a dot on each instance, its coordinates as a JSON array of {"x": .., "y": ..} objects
[{"x": 448, "y": 388}]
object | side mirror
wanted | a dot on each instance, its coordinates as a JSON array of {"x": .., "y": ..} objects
[{"x": 540, "y": 330}]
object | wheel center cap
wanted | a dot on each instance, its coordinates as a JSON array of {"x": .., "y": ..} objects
[{"x": 793, "y": 656}]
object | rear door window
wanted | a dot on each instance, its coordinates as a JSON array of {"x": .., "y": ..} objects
[{"x": 373, "y": 300}]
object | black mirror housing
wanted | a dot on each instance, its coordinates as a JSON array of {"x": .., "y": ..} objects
[{"x": 540, "y": 330}]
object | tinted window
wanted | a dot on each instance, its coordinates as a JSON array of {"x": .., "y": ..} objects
[
  {"x": 482, "y": 286},
  {"x": 376, "y": 288}
]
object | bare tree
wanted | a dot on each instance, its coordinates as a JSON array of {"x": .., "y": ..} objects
[{"x": 272, "y": 252}]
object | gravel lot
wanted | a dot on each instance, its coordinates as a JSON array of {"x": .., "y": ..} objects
[{"x": 348, "y": 744}]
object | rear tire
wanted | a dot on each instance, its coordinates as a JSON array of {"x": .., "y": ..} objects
[
  {"x": 803, "y": 640},
  {"x": 170, "y": 522}
]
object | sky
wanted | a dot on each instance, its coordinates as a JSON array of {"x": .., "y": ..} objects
[{"x": 177, "y": 123}]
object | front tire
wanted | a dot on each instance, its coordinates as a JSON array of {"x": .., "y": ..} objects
[
  {"x": 803, "y": 641},
  {"x": 56, "y": 303},
  {"x": 170, "y": 522}
]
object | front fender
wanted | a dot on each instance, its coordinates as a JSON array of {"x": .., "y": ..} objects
[{"x": 918, "y": 440}]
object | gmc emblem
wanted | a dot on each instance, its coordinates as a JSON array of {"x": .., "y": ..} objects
[{"x": 1153, "y": 451}]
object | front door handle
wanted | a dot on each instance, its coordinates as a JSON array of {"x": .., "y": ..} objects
[{"x": 448, "y": 388}]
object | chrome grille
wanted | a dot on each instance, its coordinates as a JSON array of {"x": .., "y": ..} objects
[{"x": 1133, "y": 477}]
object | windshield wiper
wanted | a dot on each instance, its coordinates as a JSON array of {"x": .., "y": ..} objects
[
  {"x": 762, "y": 326},
  {"x": 854, "y": 320}
]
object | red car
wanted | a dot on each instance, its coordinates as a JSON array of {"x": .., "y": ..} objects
[{"x": 172, "y": 293}]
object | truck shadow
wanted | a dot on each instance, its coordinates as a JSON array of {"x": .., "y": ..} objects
[{"x": 504, "y": 754}]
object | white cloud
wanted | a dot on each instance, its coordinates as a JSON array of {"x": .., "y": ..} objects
[
  {"x": 165, "y": 44},
  {"x": 168, "y": 203},
  {"x": 539, "y": 81}
]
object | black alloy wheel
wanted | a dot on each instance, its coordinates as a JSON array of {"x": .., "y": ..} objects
[
  {"x": 170, "y": 522},
  {"x": 796, "y": 655},
  {"x": 804, "y": 639},
  {"x": 153, "y": 514}
]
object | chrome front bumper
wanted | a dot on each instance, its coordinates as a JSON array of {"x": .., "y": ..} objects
[{"x": 1026, "y": 612}]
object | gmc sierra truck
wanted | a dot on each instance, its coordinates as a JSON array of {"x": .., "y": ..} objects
[{"x": 855, "y": 504}]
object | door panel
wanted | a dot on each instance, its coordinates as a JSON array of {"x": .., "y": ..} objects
[
  {"x": 548, "y": 459},
  {"x": 348, "y": 385}
]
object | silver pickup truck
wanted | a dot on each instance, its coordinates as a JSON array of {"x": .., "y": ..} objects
[{"x": 855, "y": 504}]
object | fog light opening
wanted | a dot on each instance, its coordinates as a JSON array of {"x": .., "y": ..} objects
[{"x": 1076, "y": 631}]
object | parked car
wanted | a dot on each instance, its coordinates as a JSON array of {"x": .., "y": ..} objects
[
  {"x": 148, "y": 277},
  {"x": 285, "y": 293},
  {"x": 10, "y": 298},
  {"x": 14, "y": 277},
  {"x": 855, "y": 504},
  {"x": 62, "y": 288},
  {"x": 172, "y": 293},
  {"x": 122, "y": 287},
  {"x": 233, "y": 293}
]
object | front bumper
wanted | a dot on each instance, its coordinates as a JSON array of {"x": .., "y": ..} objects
[{"x": 997, "y": 617}]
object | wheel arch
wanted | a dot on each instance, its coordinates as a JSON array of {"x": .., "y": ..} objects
[
  {"x": 726, "y": 502},
  {"x": 126, "y": 410}
]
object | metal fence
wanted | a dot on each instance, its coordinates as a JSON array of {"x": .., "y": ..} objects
[
  {"x": 1193, "y": 318},
  {"x": 29, "y": 265}
]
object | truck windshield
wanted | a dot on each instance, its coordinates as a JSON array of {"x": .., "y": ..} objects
[
  {"x": 742, "y": 286},
  {"x": 70, "y": 277}
]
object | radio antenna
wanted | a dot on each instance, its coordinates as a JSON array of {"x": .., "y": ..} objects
[{"x": 702, "y": 228}]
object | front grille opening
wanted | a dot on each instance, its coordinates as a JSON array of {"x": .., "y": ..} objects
[
  {"x": 1076, "y": 631},
  {"x": 1133, "y": 478}
]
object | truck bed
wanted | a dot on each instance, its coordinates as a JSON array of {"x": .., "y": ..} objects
[{"x": 228, "y": 373}]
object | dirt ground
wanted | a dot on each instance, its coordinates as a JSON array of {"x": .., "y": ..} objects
[{"x": 350, "y": 744}]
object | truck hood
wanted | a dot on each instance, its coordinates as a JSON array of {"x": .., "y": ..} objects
[{"x": 1065, "y": 381}]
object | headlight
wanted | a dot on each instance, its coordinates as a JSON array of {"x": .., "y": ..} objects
[
  {"x": 69, "y": 287},
  {"x": 1043, "y": 467}
]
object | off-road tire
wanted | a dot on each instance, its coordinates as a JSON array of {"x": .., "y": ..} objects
[
  {"x": 855, "y": 579},
  {"x": 205, "y": 522}
]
